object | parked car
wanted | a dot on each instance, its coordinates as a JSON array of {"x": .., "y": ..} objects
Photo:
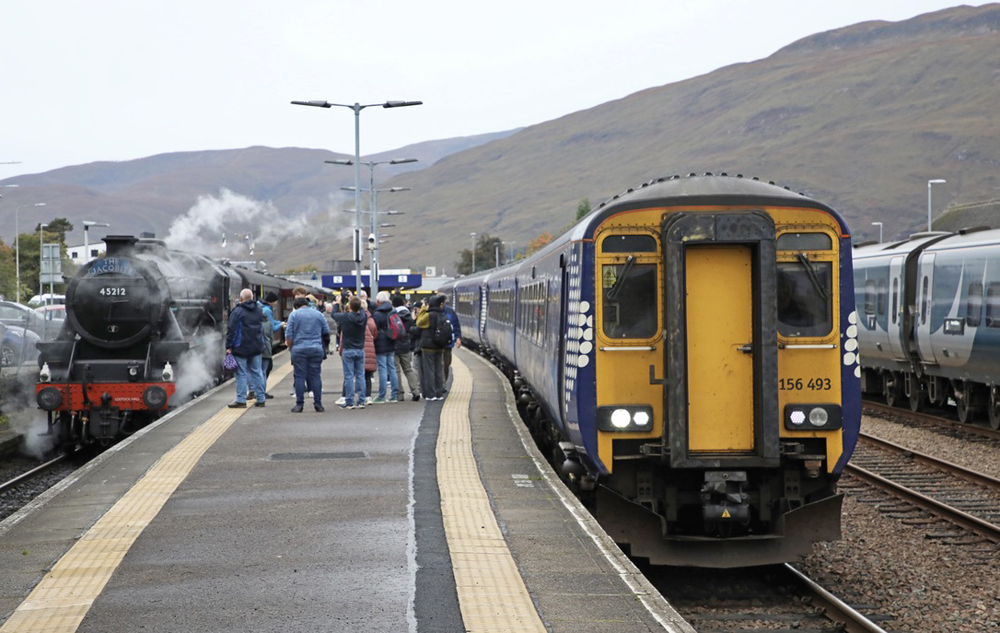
[
  {"x": 15, "y": 314},
  {"x": 17, "y": 345},
  {"x": 46, "y": 299},
  {"x": 50, "y": 321}
]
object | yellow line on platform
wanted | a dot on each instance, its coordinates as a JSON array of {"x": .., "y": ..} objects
[
  {"x": 60, "y": 601},
  {"x": 491, "y": 592}
]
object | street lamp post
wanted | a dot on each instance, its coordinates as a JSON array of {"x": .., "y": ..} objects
[
  {"x": 357, "y": 107},
  {"x": 41, "y": 233},
  {"x": 879, "y": 225},
  {"x": 373, "y": 208},
  {"x": 930, "y": 184},
  {"x": 473, "y": 254},
  {"x": 86, "y": 237},
  {"x": 17, "y": 246}
]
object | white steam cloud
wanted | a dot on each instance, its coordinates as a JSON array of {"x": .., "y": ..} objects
[{"x": 243, "y": 221}]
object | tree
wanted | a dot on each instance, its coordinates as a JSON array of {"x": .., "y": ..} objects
[
  {"x": 8, "y": 276},
  {"x": 60, "y": 226},
  {"x": 539, "y": 242},
  {"x": 582, "y": 209},
  {"x": 489, "y": 252},
  {"x": 305, "y": 268}
]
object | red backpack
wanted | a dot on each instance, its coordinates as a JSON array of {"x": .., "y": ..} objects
[{"x": 395, "y": 329}]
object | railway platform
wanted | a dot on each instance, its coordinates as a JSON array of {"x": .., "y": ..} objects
[{"x": 418, "y": 516}]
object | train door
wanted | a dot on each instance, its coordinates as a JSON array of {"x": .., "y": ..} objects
[
  {"x": 924, "y": 302},
  {"x": 897, "y": 316},
  {"x": 721, "y": 362}
]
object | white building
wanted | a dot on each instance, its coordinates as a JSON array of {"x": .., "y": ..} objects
[{"x": 76, "y": 252}]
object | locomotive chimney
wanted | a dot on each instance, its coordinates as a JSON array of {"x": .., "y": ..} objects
[{"x": 119, "y": 245}]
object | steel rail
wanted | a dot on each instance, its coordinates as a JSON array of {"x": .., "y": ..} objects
[
  {"x": 961, "y": 471},
  {"x": 973, "y": 429},
  {"x": 23, "y": 477},
  {"x": 835, "y": 608}
]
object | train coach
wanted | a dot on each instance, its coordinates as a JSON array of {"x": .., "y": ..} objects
[
  {"x": 687, "y": 354},
  {"x": 930, "y": 321},
  {"x": 144, "y": 330}
]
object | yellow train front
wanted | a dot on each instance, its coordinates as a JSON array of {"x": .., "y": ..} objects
[{"x": 706, "y": 395}]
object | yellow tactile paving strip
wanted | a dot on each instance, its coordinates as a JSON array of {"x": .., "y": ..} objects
[
  {"x": 491, "y": 592},
  {"x": 60, "y": 601}
]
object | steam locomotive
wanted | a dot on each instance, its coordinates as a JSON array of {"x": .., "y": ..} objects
[
  {"x": 704, "y": 396},
  {"x": 144, "y": 330}
]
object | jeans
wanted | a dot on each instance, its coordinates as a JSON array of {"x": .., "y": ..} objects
[
  {"x": 306, "y": 364},
  {"x": 354, "y": 376},
  {"x": 248, "y": 368},
  {"x": 387, "y": 367}
]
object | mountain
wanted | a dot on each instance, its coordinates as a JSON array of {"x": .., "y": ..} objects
[{"x": 859, "y": 118}]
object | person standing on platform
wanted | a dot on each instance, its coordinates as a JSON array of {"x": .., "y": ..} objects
[
  {"x": 456, "y": 335},
  {"x": 304, "y": 337},
  {"x": 404, "y": 350},
  {"x": 431, "y": 352},
  {"x": 245, "y": 341},
  {"x": 385, "y": 350},
  {"x": 353, "y": 324},
  {"x": 371, "y": 360}
]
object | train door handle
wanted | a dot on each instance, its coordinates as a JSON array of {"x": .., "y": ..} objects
[{"x": 746, "y": 349}]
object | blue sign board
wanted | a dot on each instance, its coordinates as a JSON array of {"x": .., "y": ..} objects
[{"x": 412, "y": 280}]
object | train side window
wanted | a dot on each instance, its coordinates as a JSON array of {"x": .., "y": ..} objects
[
  {"x": 628, "y": 244},
  {"x": 881, "y": 296},
  {"x": 804, "y": 242},
  {"x": 895, "y": 299},
  {"x": 870, "y": 296},
  {"x": 629, "y": 300},
  {"x": 924, "y": 293},
  {"x": 974, "y": 307},
  {"x": 993, "y": 305},
  {"x": 805, "y": 298}
]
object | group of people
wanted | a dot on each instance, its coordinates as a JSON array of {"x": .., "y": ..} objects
[{"x": 383, "y": 336}]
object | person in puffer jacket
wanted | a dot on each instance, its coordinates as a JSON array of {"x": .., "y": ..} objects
[{"x": 404, "y": 354}]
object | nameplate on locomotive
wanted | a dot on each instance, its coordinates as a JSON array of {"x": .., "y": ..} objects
[{"x": 112, "y": 265}]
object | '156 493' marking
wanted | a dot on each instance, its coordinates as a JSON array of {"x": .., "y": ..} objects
[{"x": 798, "y": 384}]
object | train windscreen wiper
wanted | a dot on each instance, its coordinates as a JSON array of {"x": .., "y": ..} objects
[
  {"x": 617, "y": 286},
  {"x": 813, "y": 277}
]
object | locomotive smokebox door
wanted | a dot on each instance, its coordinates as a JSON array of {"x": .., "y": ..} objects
[{"x": 721, "y": 354}]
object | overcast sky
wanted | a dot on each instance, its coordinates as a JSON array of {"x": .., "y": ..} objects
[{"x": 93, "y": 80}]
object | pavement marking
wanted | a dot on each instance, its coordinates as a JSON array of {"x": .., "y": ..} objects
[
  {"x": 491, "y": 592},
  {"x": 61, "y": 600}
]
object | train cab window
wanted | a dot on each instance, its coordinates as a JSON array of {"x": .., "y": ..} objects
[
  {"x": 804, "y": 242},
  {"x": 628, "y": 244},
  {"x": 629, "y": 300},
  {"x": 805, "y": 298},
  {"x": 993, "y": 305},
  {"x": 974, "y": 307}
]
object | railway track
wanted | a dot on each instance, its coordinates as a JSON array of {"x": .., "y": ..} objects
[
  {"x": 930, "y": 420},
  {"x": 777, "y": 597},
  {"x": 26, "y": 483},
  {"x": 961, "y": 496}
]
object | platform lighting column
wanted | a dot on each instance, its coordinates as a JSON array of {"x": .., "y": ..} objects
[
  {"x": 357, "y": 107},
  {"x": 930, "y": 185},
  {"x": 17, "y": 247},
  {"x": 473, "y": 254},
  {"x": 879, "y": 225},
  {"x": 41, "y": 233}
]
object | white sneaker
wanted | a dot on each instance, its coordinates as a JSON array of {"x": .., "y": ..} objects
[
  {"x": 368, "y": 400},
  {"x": 341, "y": 400}
]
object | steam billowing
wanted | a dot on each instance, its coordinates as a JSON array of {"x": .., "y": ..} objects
[
  {"x": 236, "y": 217},
  {"x": 17, "y": 400}
]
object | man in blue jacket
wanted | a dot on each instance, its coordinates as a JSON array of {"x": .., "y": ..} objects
[{"x": 245, "y": 341}]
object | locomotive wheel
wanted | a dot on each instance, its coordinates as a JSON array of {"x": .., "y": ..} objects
[
  {"x": 994, "y": 407},
  {"x": 892, "y": 388}
]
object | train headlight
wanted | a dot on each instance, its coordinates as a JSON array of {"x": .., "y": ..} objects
[
  {"x": 168, "y": 373},
  {"x": 49, "y": 398},
  {"x": 155, "y": 398},
  {"x": 625, "y": 418},
  {"x": 812, "y": 417},
  {"x": 45, "y": 375}
]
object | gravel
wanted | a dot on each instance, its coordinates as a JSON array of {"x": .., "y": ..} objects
[{"x": 923, "y": 584}]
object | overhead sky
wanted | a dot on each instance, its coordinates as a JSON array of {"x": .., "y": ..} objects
[{"x": 124, "y": 79}]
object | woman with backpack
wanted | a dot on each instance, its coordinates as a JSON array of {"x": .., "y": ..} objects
[
  {"x": 389, "y": 327},
  {"x": 431, "y": 326}
]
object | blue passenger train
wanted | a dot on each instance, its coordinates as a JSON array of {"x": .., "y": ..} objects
[
  {"x": 930, "y": 324},
  {"x": 687, "y": 354}
]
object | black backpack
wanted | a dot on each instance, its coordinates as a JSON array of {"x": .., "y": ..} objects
[{"x": 441, "y": 336}]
